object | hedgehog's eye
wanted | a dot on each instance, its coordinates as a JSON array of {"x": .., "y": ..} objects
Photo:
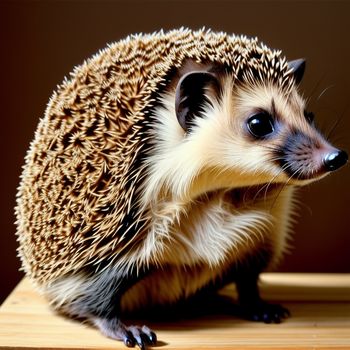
[
  {"x": 309, "y": 116},
  {"x": 260, "y": 124}
]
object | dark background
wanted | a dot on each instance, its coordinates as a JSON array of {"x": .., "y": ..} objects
[{"x": 41, "y": 41}]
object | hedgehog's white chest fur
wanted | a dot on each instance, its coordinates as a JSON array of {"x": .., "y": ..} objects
[{"x": 196, "y": 245}]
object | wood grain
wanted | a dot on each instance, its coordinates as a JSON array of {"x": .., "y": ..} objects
[{"x": 320, "y": 307}]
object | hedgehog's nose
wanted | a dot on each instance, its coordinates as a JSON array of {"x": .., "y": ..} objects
[{"x": 334, "y": 160}]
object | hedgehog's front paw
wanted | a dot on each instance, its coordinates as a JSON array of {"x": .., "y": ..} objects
[
  {"x": 131, "y": 336},
  {"x": 264, "y": 312}
]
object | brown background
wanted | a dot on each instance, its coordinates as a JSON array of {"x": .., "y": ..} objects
[{"x": 41, "y": 42}]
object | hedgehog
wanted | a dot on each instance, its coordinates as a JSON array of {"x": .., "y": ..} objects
[{"x": 166, "y": 165}]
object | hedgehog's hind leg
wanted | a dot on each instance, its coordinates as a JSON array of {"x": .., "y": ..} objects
[
  {"x": 95, "y": 297},
  {"x": 130, "y": 335}
]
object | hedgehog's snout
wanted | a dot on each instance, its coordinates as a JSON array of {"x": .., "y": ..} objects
[
  {"x": 335, "y": 159},
  {"x": 304, "y": 158}
]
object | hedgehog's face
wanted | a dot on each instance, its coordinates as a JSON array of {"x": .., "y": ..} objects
[
  {"x": 278, "y": 130},
  {"x": 257, "y": 132}
]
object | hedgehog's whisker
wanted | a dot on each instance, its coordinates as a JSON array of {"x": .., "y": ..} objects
[
  {"x": 315, "y": 88},
  {"x": 286, "y": 184},
  {"x": 337, "y": 122},
  {"x": 268, "y": 184},
  {"x": 324, "y": 91}
]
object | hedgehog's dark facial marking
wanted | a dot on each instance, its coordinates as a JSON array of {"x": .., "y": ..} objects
[
  {"x": 191, "y": 96},
  {"x": 295, "y": 155},
  {"x": 302, "y": 157}
]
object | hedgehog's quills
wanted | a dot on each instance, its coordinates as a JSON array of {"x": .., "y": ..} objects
[{"x": 164, "y": 166}]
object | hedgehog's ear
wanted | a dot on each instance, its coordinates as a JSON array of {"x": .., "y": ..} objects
[
  {"x": 191, "y": 95},
  {"x": 297, "y": 69}
]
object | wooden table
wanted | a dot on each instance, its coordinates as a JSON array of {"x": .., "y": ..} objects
[{"x": 319, "y": 303}]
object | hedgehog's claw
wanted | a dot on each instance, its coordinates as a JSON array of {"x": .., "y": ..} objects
[
  {"x": 131, "y": 336},
  {"x": 142, "y": 336},
  {"x": 129, "y": 340},
  {"x": 265, "y": 312},
  {"x": 151, "y": 336}
]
